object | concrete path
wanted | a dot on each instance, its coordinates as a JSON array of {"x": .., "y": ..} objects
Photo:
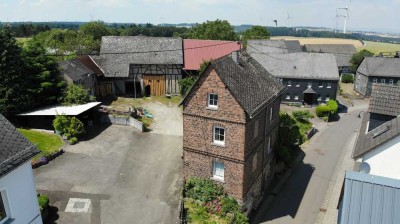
[{"x": 301, "y": 198}]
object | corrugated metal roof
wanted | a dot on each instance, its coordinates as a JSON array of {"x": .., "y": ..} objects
[
  {"x": 53, "y": 110},
  {"x": 197, "y": 51},
  {"x": 369, "y": 199}
]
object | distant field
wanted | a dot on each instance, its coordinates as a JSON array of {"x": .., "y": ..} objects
[
  {"x": 313, "y": 40},
  {"x": 377, "y": 47},
  {"x": 374, "y": 47}
]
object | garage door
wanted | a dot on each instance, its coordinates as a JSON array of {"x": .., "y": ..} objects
[{"x": 156, "y": 83}]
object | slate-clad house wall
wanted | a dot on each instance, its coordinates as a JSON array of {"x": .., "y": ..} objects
[
  {"x": 311, "y": 78},
  {"x": 376, "y": 70},
  {"x": 248, "y": 114},
  {"x": 135, "y": 64}
]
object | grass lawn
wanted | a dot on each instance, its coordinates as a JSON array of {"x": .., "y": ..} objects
[
  {"x": 45, "y": 142},
  {"x": 377, "y": 47}
]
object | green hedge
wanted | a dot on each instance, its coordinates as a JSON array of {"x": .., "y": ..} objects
[
  {"x": 327, "y": 110},
  {"x": 347, "y": 78}
]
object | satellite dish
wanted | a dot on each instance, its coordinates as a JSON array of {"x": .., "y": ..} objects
[{"x": 365, "y": 168}]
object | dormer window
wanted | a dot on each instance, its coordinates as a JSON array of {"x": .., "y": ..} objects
[{"x": 212, "y": 101}]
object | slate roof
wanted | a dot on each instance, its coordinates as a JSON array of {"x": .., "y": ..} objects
[
  {"x": 342, "y": 52},
  {"x": 380, "y": 67},
  {"x": 369, "y": 199},
  {"x": 385, "y": 99},
  {"x": 15, "y": 149},
  {"x": 89, "y": 62},
  {"x": 196, "y": 51},
  {"x": 299, "y": 65},
  {"x": 274, "y": 46},
  {"x": 75, "y": 69},
  {"x": 118, "y": 52},
  {"x": 251, "y": 85}
]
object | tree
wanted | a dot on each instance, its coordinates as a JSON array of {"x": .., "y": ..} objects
[
  {"x": 213, "y": 30},
  {"x": 75, "y": 94},
  {"x": 96, "y": 29},
  {"x": 256, "y": 32},
  {"x": 41, "y": 72},
  {"x": 358, "y": 58},
  {"x": 13, "y": 97}
]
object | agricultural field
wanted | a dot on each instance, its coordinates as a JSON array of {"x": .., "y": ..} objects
[{"x": 375, "y": 47}]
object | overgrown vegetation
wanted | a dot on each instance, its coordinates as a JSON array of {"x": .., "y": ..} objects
[
  {"x": 347, "y": 78},
  {"x": 71, "y": 127},
  {"x": 47, "y": 143},
  {"x": 43, "y": 202},
  {"x": 328, "y": 110},
  {"x": 185, "y": 85},
  {"x": 75, "y": 95},
  {"x": 357, "y": 58},
  {"x": 207, "y": 202}
]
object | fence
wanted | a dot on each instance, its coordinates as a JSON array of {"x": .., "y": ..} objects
[{"x": 183, "y": 211}]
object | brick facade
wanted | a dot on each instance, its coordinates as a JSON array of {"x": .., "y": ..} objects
[{"x": 245, "y": 153}]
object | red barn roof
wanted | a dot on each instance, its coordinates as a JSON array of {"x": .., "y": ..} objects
[{"x": 196, "y": 51}]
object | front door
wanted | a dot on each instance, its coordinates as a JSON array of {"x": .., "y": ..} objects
[
  {"x": 156, "y": 83},
  {"x": 308, "y": 98}
]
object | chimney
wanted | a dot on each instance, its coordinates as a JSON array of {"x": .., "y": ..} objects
[{"x": 235, "y": 56}]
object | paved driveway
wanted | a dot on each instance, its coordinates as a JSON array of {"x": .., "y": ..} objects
[{"x": 129, "y": 177}]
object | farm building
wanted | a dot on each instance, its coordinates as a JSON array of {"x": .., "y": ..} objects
[
  {"x": 376, "y": 70},
  {"x": 274, "y": 46},
  {"x": 139, "y": 65},
  {"x": 311, "y": 78},
  {"x": 342, "y": 52},
  {"x": 230, "y": 123},
  {"x": 197, "y": 51}
]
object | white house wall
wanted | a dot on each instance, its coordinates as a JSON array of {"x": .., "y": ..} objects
[
  {"x": 384, "y": 160},
  {"x": 19, "y": 186}
]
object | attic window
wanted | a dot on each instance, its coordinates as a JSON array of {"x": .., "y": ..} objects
[{"x": 212, "y": 101}]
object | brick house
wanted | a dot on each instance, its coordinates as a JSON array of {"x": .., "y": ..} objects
[{"x": 230, "y": 123}]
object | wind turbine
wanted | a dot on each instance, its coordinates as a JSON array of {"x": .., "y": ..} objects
[
  {"x": 276, "y": 22},
  {"x": 288, "y": 19},
  {"x": 337, "y": 19},
  {"x": 346, "y": 16}
]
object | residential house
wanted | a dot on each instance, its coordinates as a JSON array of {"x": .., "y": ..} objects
[
  {"x": 274, "y": 46},
  {"x": 139, "y": 65},
  {"x": 342, "y": 52},
  {"x": 18, "y": 197},
  {"x": 230, "y": 123},
  {"x": 378, "y": 140},
  {"x": 376, "y": 70},
  {"x": 369, "y": 199},
  {"x": 195, "y": 52},
  {"x": 311, "y": 78}
]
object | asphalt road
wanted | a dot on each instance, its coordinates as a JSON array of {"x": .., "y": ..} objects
[{"x": 300, "y": 199}]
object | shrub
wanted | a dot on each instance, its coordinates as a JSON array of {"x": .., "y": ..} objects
[
  {"x": 75, "y": 94},
  {"x": 229, "y": 204},
  {"x": 327, "y": 110},
  {"x": 73, "y": 141},
  {"x": 76, "y": 127},
  {"x": 333, "y": 105},
  {"x": 204, "y": 190},
  {"x": 61, "y": 123},
  {"x": 199, "y": 215},
  {"x": 240, "y": 218},
  {"x": 43, "y": 201},
  {"x": 185, "y": 84},
  {"x": 302, "y": 115},
  {"x": 347, "y": 78}
]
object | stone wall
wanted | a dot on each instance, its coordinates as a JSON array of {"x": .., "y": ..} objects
[{"x": 120, "y": 120}]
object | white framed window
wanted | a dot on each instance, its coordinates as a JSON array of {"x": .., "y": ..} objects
[
  {"x": 218, "y": 170},
  {"x": 5, "y": 213},
  {"x": 269, "y": 147},
  {"x": 289, "y": 83},
  {"x": 319, "y": 97},
  {"x": 320, "y": 85},
  {"x": 219, "y": 136},
  {"x": 296, "y": 96},
  {"x": 256, "y": 128},
  {"x": 375, "y": 80},
  {"x": 271, "y": 113},
  {"x": 213, "y": 100},
  {"x": 327, "y": 98},
  {"x": 288, "y": 96},
  {"x": 391, "y": 81},
  {"x": 309, "y": 84},
  {"x": 329, "y": 85},
  {"x": 383, "y": 81},
  {"x": 297, "y": 84}
]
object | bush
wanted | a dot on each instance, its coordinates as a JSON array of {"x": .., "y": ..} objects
[
  {"x": 302, "y": 115},
  {"x": 327, "y": 110},
  {"x": 75, "y": 94},
  {"x": 70, "y": 127},
  {"x": 229, "y": 204},
  {"x": 73, "y": 141},
  {"x": 76, "y": 127},
  {"x": 61, "y": 123},
  {"x": 204, "y": 190},
  {"x": 347, "y": 78},
  {"x": 43, "y": 201},
  {"x": 185, "y": 84}
]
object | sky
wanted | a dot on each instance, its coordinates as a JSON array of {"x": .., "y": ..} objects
[{"x": 372, "y": 15}]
